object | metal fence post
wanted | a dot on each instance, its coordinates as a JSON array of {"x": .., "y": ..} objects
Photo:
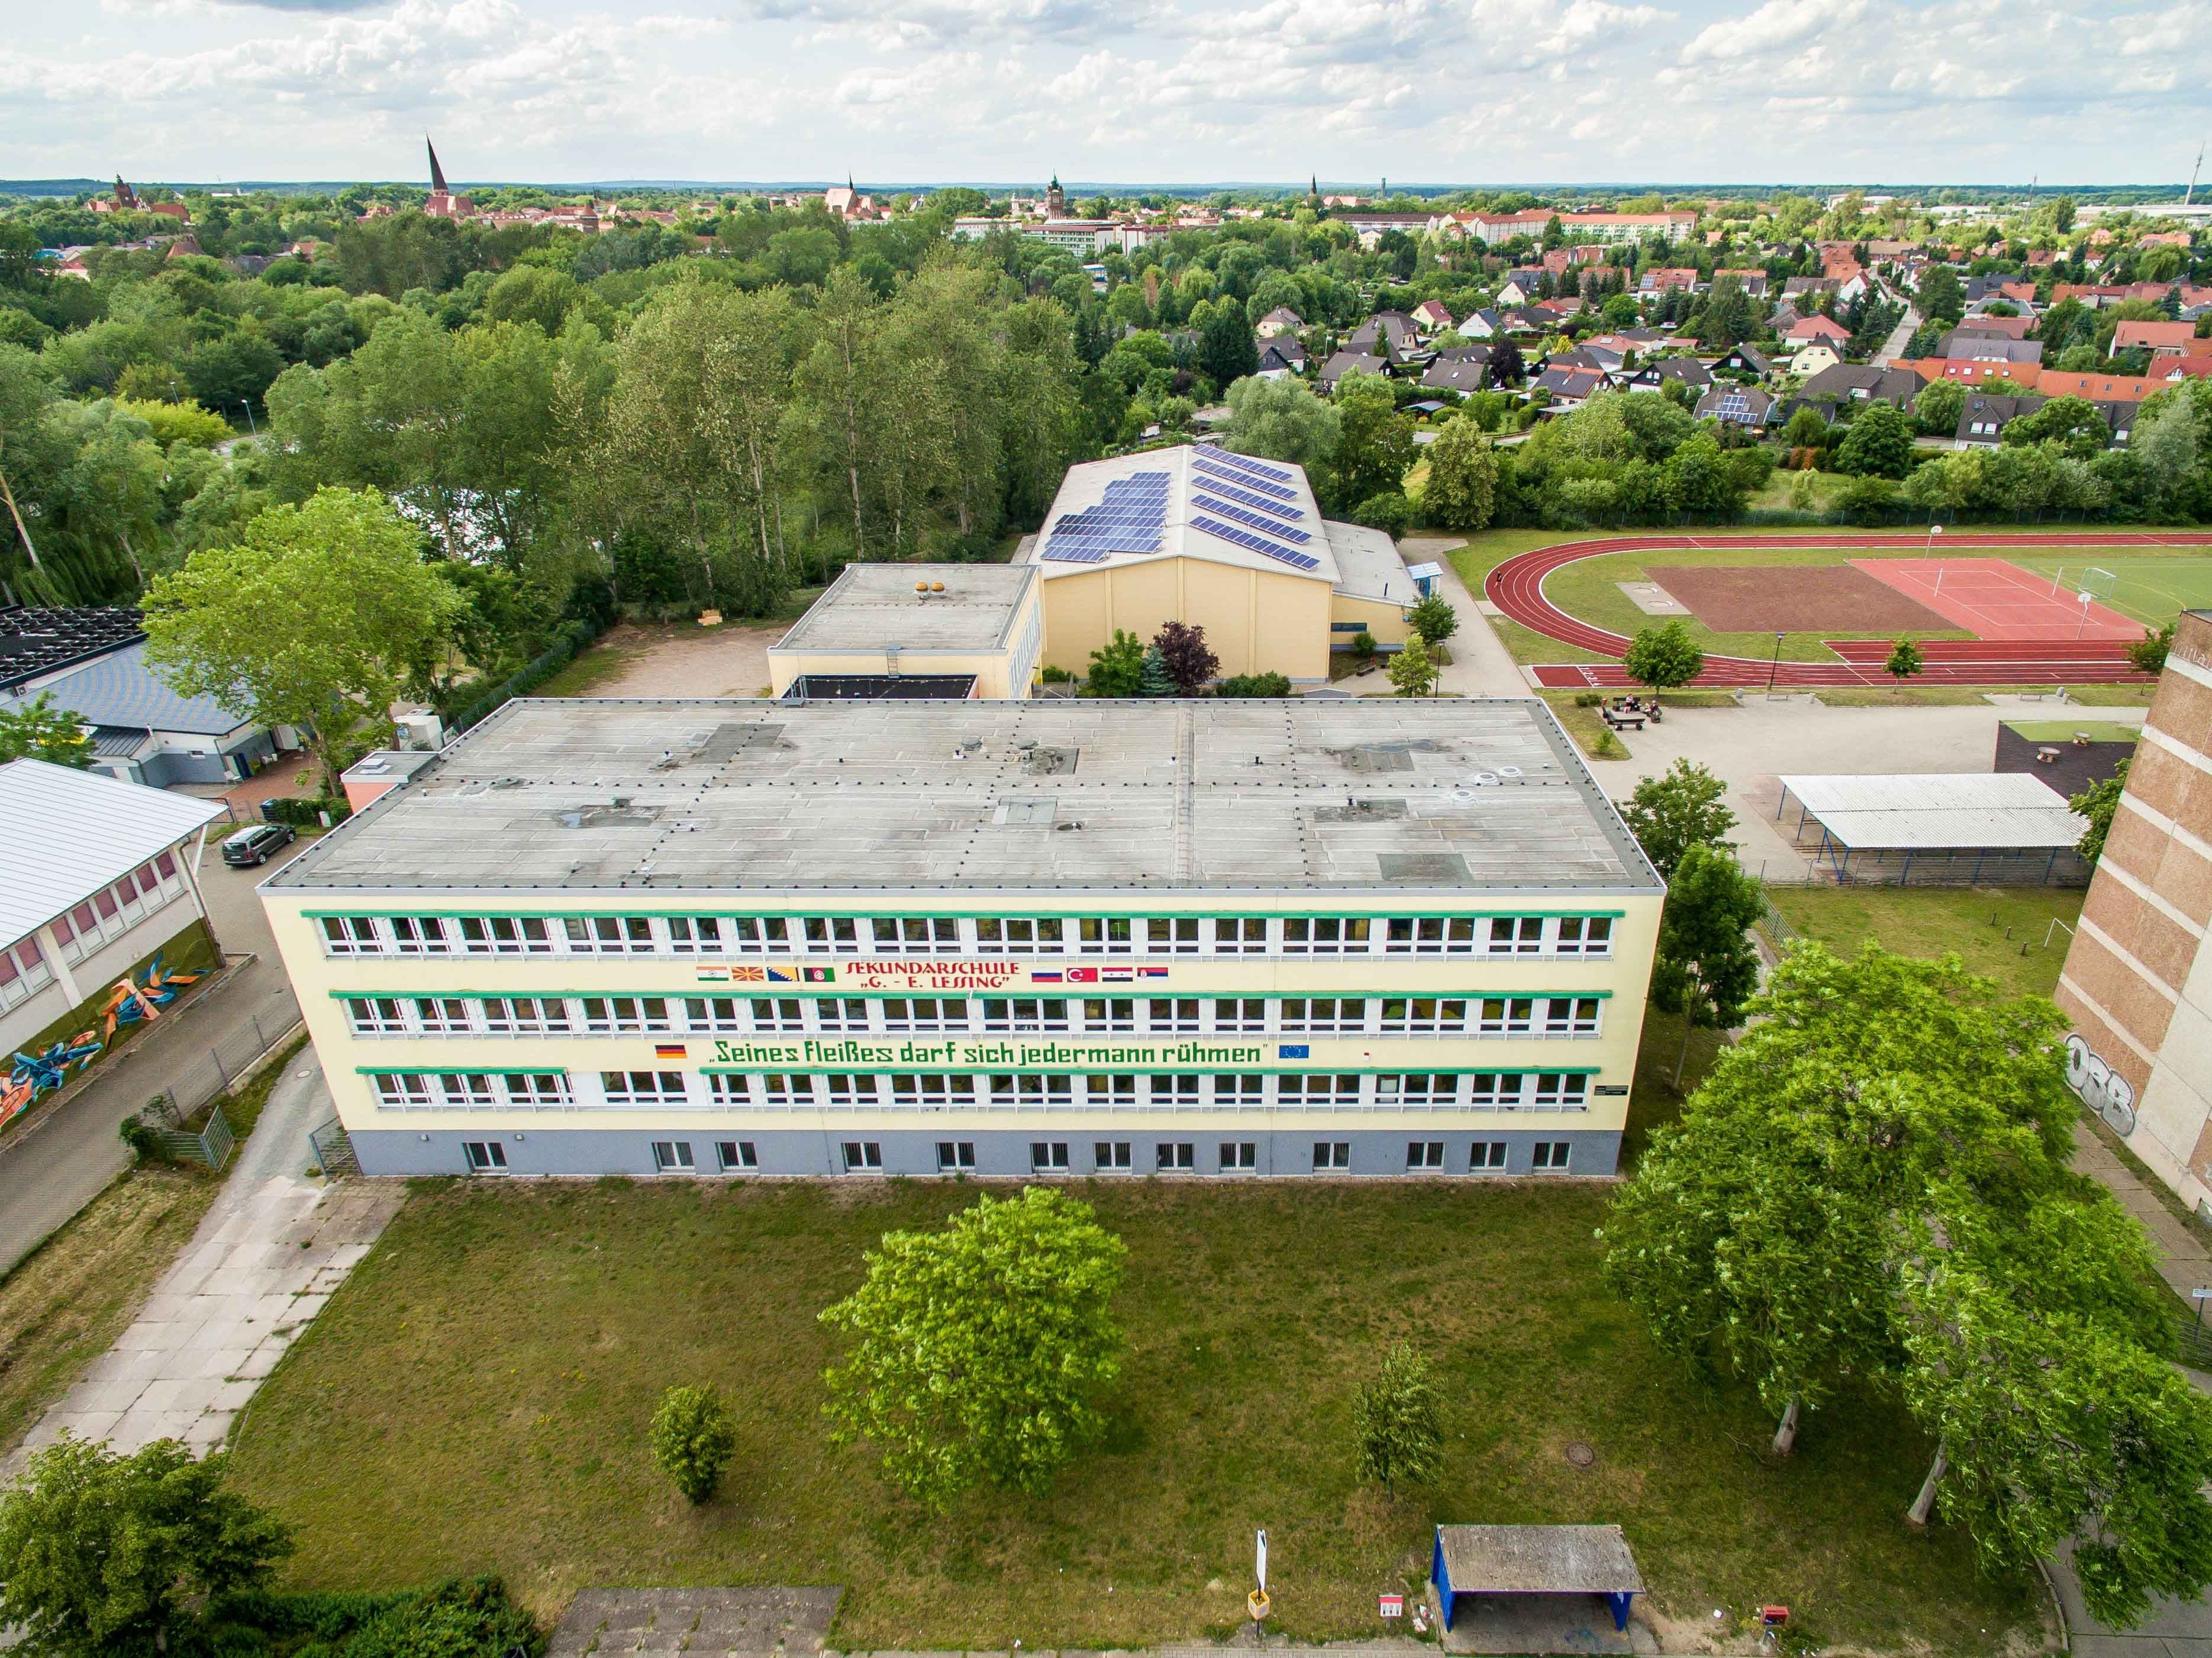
[{"x": 215, "y": 1055}]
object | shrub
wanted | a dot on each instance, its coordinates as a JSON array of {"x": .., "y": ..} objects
[
  {"x": 1363, "y": 645},
  {"x": 1254, "y": 684},
  {"x": 692, "y": 1439},
  {"x": 1053, "y": 676},
  {"x": 305, "y": 812},
  {"x": 1389, "y": 513}
]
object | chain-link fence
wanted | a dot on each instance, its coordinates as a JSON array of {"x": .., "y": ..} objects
[{"x": 206, "y": 1073}]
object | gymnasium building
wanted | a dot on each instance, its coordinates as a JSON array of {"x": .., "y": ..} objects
[
  {"x": 1235, "y": 545},
  {"x": 1360, "y": 937}
]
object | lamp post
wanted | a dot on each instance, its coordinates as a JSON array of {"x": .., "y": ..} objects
[
  {"x": 1773, "y": 667},
  {"x": 1934, "y": 531},
  {"x": 247, "y": 405}
]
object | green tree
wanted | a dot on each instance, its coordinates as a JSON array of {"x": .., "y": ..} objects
[
  {"x": 1433, "y": 618},
  {"x": 1117, "y": 667},
  {"x": 1938, "y": 408},
  {"x": 1281, "y": 420},
  {"x": 1878, "y": 443},
  {"x": 111, "y": 1556},
  {"x": 1939, "y": 298},
  {"x": 36, "y": 730},
  {"x": 1664, "y": 657},
  {"x": 692, "y": 1439},
  {"x": 1188, "y": 660},
  {"x": 1153, "y": 678},
  {"x": 1707, "y": 969},
  {"x": 1680, "y": 808},
  {"x": 2099, "y": 802},
  {"x": 1758, "y": 1233},
  {"x": 1412, "y": 671},
  {"x": 1905, "y": 661},
  {"x": 1227, "y": 352},
  {"x": 2149, "y": 653},
  {"x": 1375, "y": 445},
  {"x": 316, "y": 619},
  {"x": 1397, "y": 1421},
  {"x": 977, "y": 1352},
  {"x": 1462, "y": 492}
]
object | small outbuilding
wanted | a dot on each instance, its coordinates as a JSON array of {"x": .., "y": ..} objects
[
  {"x": 902, "y": 631},
  {"x": 1517, "y": 1562},
  {"x": 1976, "y": 828}
]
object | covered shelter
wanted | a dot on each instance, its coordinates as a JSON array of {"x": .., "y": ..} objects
[
  {"x": 1938, "y": 828},
  {"x": 1518, "y": 1561}
]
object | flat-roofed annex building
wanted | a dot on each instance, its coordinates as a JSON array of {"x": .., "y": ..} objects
[
  {"x": 1371, "y": 937},
  {"x": 1195, "y": 533},
  {"x": 984, "y": 622}
]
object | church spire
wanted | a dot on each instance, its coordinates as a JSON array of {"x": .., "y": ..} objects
[{"x": 437, "y": 173}]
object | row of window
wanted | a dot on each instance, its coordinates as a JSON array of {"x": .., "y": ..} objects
[
  {"x": 781, "y": 1090},
  {"x": 845, "y": 1015},
  {"x": 100, "y": 919},
  {"x": 24, "y": 973},
  {"x": 1054, "y": 1157},
  {"x": 962, "y": 935}
]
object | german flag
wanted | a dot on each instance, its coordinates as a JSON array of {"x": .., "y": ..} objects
[{"x": 668, "y": 1050}]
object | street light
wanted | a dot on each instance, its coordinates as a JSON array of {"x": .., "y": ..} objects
[
  {"x": 248, "y": 407},
  {"x": 1774, "y": 665},
  {"x": 1934, "y": 531}
]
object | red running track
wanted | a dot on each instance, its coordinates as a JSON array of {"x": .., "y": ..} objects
[{"x": 1516, "y": 587}]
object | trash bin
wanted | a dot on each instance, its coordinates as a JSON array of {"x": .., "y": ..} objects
[{"x": 268, "y": 812}]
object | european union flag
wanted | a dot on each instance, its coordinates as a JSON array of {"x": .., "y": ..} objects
[{"x": 1293, "y": 1051}]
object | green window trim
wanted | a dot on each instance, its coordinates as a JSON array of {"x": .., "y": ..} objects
[
  {"x": 721, "y": 908},
  {"x": 1022, "y": 993},
  {"x": 1012, "y": 1071}
]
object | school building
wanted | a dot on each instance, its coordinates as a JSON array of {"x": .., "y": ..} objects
[{"x": 1354, "y": 937}]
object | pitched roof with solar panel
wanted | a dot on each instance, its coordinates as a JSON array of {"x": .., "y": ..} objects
[{"x": 1196, "y": 500}]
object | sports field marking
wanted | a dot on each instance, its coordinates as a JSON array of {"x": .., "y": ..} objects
[
  {"x": 2151, "y": 588},
  {"x": 1996, "y": 600}
]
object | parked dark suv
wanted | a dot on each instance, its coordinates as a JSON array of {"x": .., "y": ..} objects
[{"x": 256, "y": 845}]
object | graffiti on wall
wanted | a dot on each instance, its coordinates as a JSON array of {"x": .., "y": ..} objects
[
  {"x": 2102, "y": 1089},
  {"x": 31, "y": 1077}
]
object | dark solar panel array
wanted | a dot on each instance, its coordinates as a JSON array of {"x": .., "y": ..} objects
[
  {"x": 1131, "y": 518},
  {"x": 34, "y": 640},
  {"x": 1256, "y": 468},
  {"x": 1273, "y": 548},
  {"x": 1212, "y": 468},
  {"x": 1267, "y": 525},
  {"x": 1245, "y": 497}
]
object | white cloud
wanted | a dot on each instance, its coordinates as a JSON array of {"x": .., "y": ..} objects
[{"x": 1776, "y": 25}]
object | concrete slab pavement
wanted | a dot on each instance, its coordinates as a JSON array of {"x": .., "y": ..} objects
[
  {"x": 1480, "y": 663},
  {"x": 263, "y": 1261}
]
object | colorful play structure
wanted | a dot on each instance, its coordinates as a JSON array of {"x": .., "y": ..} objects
[{"x": 34, "y": 1076}]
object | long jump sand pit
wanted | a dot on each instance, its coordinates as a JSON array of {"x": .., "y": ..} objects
[{"x": 1736, "y": 598}]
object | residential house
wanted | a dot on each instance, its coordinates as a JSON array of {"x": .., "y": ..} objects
[
  {"x": 1752, "y": 279},
  {"x": 1457, "y": 373},
  {"x": 1745, "y": 360},
  {"x": 1808, "y": 289},
  {"x": 2134, "y": 336},
  {"x": 1388, "y": 333},
  {"x": 1983, "y": 420},
  {"x": 1431, "y": 316},
  {"x": 1972, "y": 373},
  {"x": 1343, "y": 362},
  {"x": 2101, "y": 388},
  {"x": 1833, "y": 388},
  {"x": 1559, "y": 260},
  {"x": 1281, "y": 320},
  {"x": 1654, "y": 376},
  {"x": 1989, "y": 348},
  {"x": 1749, "y": 406},
  {"x": 1813, "y": 358},
  {"x": 1986, "y": 327},
  {"x": 1569, "y": 388},
  {"x": 1482, "y": 324},
  {"x": 1592, "y": 225},
  {"x": 1280, "y": 356},
  {"x": 1519, "y": 288},
  {"x": 1664, "y": 279},
  {"x": 1807, "y": 329},
  {"x": 2021, "y": 294}
]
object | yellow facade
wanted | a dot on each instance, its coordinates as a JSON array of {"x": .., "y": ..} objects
[
  {"x": 1384, "y": 622},
  {"x": 1256, "y": 621}
]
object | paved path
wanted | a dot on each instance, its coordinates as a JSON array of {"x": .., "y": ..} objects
[
  {"x": 1900, "y": 338},
  {"x": 262, "y": 1264},
  {"x": 52, "y": 1165},
  {"x": 1480, "y": 663}
]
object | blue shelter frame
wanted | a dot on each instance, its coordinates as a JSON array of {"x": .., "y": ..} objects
[{"x": 1534, "y": 1560}]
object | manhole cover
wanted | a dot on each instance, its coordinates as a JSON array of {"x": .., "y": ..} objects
[{"x": 1580, "y": 1454}]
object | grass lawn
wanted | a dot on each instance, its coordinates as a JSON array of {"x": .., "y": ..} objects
[
  {"x": 66, "y": 1302},
  {"x": 416, "y": 1430},
  {"x": 2153, "y": 586},
  {"x": 1931, "y": 920},
  {"x": 584, "y": 674},
  {"x": 1596, "y": 739}
]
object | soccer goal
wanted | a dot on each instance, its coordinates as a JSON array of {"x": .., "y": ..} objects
[{"x": 2096, "y": 583}]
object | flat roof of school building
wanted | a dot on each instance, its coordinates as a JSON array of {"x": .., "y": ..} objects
[
  {"x": 1373, "y": 794},
  {"x": 871, "y": 607}
]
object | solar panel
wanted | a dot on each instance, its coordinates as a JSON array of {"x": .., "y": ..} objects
[
  {"x": 1253, "y": 520},
  {"x": 1130, "y": 517},
  {"x": 1249, "y": 480},
  {"x": 1236, "y": 538},
  {"x": 1258, "y": 468},
  {"x": 1231, "y": 492}
]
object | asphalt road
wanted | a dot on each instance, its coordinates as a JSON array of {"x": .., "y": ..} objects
[{"x": 52, "y": 1167}]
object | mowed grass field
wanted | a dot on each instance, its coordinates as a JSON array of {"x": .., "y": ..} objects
[
  {"x": 2149, "y": 585},
  {"x": 475, "y": 1398},
  {"x": 1997, "y": 931}
]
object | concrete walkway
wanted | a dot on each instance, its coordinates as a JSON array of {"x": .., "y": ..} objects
[
  {"x": 264, "y": 1261},
  {"x": 1900, "y": 338},
  {"x": 1480, "y": 663}
]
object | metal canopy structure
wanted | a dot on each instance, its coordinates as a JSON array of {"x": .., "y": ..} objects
[
  {"x": 1990, "y": 818},
  {"x": 1534, "y": 1560},
  {"x": 73, "y": 833}
]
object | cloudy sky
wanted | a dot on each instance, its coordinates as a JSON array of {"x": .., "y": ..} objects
[{"x": 1463, "y": 91}]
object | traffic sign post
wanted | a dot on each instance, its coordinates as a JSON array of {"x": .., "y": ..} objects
[{"x": 1390, "y": 1606}]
